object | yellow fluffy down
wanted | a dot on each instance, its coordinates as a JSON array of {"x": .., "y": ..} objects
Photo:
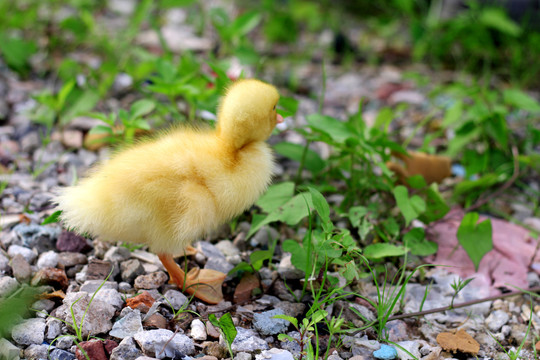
[{"x": 170, "y": 191}]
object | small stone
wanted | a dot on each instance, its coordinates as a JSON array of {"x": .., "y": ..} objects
[
  {"x": 216, "y": 350},
  {"x": 4, "y": 263},
  {"x": 175, "y": 298},
  {"x": 266, "y": 324},
  {"x": 211, "y": 330},
  {"x": 385, "y": 353},
  {"x": 97, "y": 318},
  {"x": 68, "y": 259},
  {"x": 21, "y": 268},
  {"x": 198, "y": 330},
  {"x": 109, "y": 346},
  {"x": 287, "y": 270},
  {"x": 44, "y": 305},
  {"x": 35, "y": 351},
  {"x": 93, "y": 348},
  {"x": 47, "y": 259},
  {"x": 98, "y": 269},
  {"x": 130, "y": 269},
  {"x": 128, "y": 325},
  {"x": 25, "y": 252},
  {"x": 70, "y": 242},
  {"x": 412, "y": 347},
  {"x": 117, "y": 254},
  {"x": 243, "y": 356},
  {"x": 537, "y": 346},
  {"x": 91, "y": 286},
  {"x": 110, "y": 296},
  {"x": 247, "y": 340},
  {"x": 151, "y": 281},
  {"x": 397, "y": 331},
  {"x": 7, "y": 285},
  {"x": 275, "y": 354},
  {"x": 51, "y": 276},
  {"x": 58, "y": 354},
  {"x": 460, "y": 341},
  {"x": 54, "y": 328},
  {"x": 496, "y": 320},
  {"x": 164, "y": 343},
  {"x": 38, "y": 236},
  {"x": 290, "y": 308},
  {"x": 30, "y": 331},
  {"x": 126, "y": 350},
  {"x": 219, "y": 264},
  {"x": 155, "y": 320},
  {"x": 143, "y": 302},
  {"x": 8, "y": 350}
]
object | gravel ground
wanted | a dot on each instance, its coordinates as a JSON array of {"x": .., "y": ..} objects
[{"x": 136, "y": 314}]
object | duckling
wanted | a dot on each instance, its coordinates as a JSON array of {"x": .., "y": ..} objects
[{"x": 168, "y": 192}]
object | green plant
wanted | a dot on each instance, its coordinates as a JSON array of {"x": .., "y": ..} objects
[
  {"x": 131, "y": 121},
  {"x": 458, "y": 285},
  {"x": 305, "y": 329},
  {"x": 475, "y": 238},
  {"x": 78, "y": 328},
  {"x": 226, "y": 328}
]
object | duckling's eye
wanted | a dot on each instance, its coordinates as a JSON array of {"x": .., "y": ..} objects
[{"x": 274, "y": 107}]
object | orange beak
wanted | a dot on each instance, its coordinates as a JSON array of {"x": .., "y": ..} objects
[{"x": 279, "y": 119}]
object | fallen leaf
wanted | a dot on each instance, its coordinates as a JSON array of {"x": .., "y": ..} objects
[
  {"x": 434, "y": 168},
  {"x": 461, "y": 341},
  {"x": 244, "y": 289},
  {"x": 507, "y": 264}
]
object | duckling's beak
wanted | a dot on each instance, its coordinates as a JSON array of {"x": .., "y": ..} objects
[{"x": 279, "y": 119}]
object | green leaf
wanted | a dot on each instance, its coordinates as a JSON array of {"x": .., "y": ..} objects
[
  {"x": 83, "y": 103},
  {"x": 497, "y": 19},
  {"x": 453, "y": 115},
  {"x": 335, "y": 128},
  {"x": 288, "y": 106},
  {"x": 312, "y": 161},
  {"x": 101, "y": 129},
  {"x": 356, "y": 213},
  {"x": 415, "y": 240},
  {"x": 436, "y": 206},
  {"x": 290, "y": 319},
  {"x": 243, "y": 266},
  {"x": 520, "y": 100},
  {"x": 141, "y": 108},
  {"x": 285, "y": 337},
  {"x": 63, "y": 94},
  {"x": 299, "y": 258},
  {"x": 258, "y": 257},
  {"x": 16, "y": 52},
  {"x": 53, "y": 218},
  {"x": 246, "y": 22},
  {"x": 412, "y": 207},
  {"x": 475, "y": 238},
  {"x": 226, "y": 325},
  {"x": 382, "y": 250},
  {"x": 320, "y": 204},
  {"x": 275, "y": 196}
]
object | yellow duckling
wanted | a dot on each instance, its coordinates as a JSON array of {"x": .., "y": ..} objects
[{"x": 172, "y": 190}]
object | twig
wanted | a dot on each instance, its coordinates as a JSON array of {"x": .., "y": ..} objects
[
  {"x": 464, "y": 304},
  {"x": 505, "y": 186}
]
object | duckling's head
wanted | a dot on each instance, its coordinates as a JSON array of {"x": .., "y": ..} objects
[{"x": 247, "y": 113}]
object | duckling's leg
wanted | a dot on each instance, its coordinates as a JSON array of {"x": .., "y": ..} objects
[{"x": 203, "y": 284}]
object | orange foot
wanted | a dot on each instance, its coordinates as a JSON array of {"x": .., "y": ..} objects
[{"x": 204, "y": 284}]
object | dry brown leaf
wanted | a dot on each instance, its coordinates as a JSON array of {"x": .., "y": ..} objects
[
  {"x": 434, "y": 168},
  {"x": 461, "y": 341}
]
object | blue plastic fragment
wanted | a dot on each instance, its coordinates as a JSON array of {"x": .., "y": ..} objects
[{"x": 385, "y": 353}]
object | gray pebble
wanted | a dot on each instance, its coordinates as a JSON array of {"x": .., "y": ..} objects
[
  {"x": 496, "y": 320},
  {"x": 30, "y": 331},
  {"x": 58, "y": 354},
  {"x": 35, "y": 351},
  {"x": 117, "y": 254},
  {"x": 110, "y": 296},
  {"x": 219, "y": 264},
  {"x": 68, "y": 259},
  {"x": 126, "y": 350},
  {"x": 412, "y": 347},
  {"x": 243, "y": 356},
  {"x": 7, "y": 285},
  {"x": 47, "y": 259},
  {"x": 275, "y": 354},
  {"x": 198, "y": 330},
  {"x": 247, "y": 340},
  {"x": 91, "y": 286},
  {"x": 54, "y": 328},
  {"x": 128, "y": 325},
  {"x": 40, "y": 236},
  {"x": 130, "y": 269},
  {"x": 265, "y": 324},
  {"x": 21, "y": 268},
  {"x": 287, "y": 270},
  {"x": 151, "y": 281},
  {"x": 25, "y": 252},
  {"x": 44, "y": 305},
  {"x": 8, "y": 350},
  {"x": 175, "y": 298},
  {"x": 124, "y": 287},
  {"x": 4, "y": 263},
  {"x": 152, "y": 343},
  {"x": 97, "y": 318}
]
